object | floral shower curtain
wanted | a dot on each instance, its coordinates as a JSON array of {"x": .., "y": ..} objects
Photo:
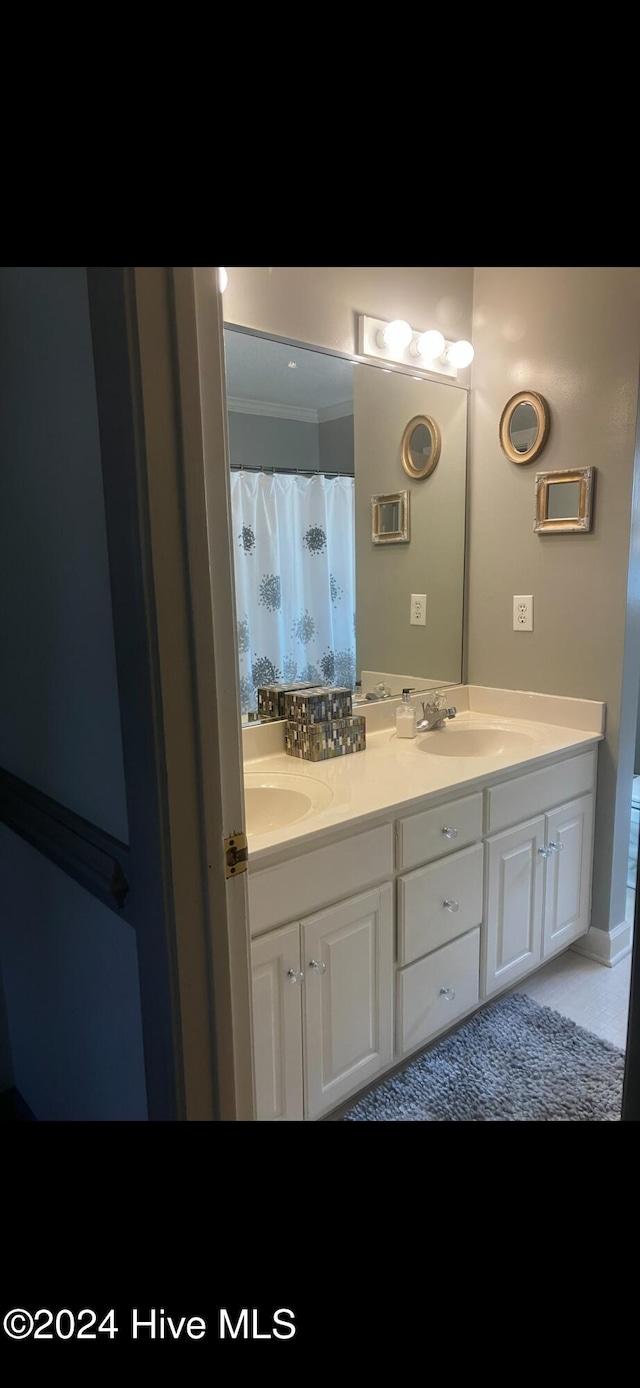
[{"x": 294, "y": 555}]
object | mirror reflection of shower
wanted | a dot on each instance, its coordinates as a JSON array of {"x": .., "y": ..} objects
[
  {"x": 292, "y": 502},
  {"x": 313, "y": 437}
]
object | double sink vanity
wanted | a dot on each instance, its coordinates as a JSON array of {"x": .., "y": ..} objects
[{"x": 393, "y": 891}]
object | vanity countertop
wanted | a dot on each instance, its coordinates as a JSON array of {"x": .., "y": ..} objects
[{"x": 395, "y": 774}]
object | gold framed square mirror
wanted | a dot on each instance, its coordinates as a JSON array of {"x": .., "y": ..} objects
[
  {"x": 390, "y": 518},
  {"x": 564, "y": 501}
]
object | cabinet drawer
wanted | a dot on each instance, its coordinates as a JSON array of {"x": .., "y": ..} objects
[
  {"x": 304, "y": 884},
  {"x": 526, "y": 796},
  {"x": 425, "y": 1004},
  {"x": 424, "y": 921},
  {"x": 444, "y": 829}
]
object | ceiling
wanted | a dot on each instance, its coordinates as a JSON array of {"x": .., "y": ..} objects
[{"x": 258, "y": 369}]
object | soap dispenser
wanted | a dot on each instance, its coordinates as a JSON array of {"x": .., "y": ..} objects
[{"x": 406, "y": 716}]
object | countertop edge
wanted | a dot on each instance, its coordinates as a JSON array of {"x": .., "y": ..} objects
[{"x": 321, "y": 836}]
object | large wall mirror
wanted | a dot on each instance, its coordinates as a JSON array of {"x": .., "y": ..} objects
[{"x": 312, "y": 437}]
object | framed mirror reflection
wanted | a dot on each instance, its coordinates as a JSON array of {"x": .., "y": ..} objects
[
  {"x": 390, "y": 518},
  {"x": 420, "y": 446},
  {"x": 313, "y": 436}
]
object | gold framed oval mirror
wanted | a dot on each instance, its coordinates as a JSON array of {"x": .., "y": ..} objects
[
  {"x": 524, "y": 426},
  {"x": 420, "y": 447}
]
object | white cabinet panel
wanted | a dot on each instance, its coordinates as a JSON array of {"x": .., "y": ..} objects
[
  {"x": 432, "y": 833},
  {"x": 524, "y": 796},
  {"x": 567, "y": 901},
  {"x": 347, "y": 957},
  {"x": 439, "y": 902},
  {"x": 435, "y": 991},
  {"x": 277, "y": 1025},
  {"x": 515, "y": 871},
  {"x": 290, "y": 890}
]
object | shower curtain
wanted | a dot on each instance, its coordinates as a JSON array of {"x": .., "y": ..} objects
[{"x": 294, "y": 558}]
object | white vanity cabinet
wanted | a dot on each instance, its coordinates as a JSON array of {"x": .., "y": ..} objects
[
  {"x": 487, "y": 884},
  {"x": 323, "y": 1006},
  {"x": 322, "y": 984},
  {"x": 539, "y": 871}
]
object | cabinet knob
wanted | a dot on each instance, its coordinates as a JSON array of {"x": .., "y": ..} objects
[
  {"x": 451, "y": 905},
  {"x": 296, "y": 975},
  {"x": 544, "y": 852},
  {"x": 317, "y": 964},
  {"x": 555, "y": 846},
  {"x": 448, "y": 993},
  {"x": 450, "y": 833}
]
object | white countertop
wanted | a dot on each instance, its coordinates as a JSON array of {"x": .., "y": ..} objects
[{"x": 395, "y": 774}]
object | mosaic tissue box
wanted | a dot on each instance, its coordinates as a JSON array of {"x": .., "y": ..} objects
[
  {"x": 271, "y": 698},
  {"x": 320, "y": 741},
  {"x": 318, "y": 705}
]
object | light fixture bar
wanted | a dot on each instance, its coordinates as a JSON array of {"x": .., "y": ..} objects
[{"x": 369, "y": 338}]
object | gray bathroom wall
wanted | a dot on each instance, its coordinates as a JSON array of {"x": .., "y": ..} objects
[
  {"x": 262, "y": 441},
  {"x": 573, "y": 335},
  {"x": 321, "y": 304},
  {"x": 336, "y": 444},
  {"x": 69, "y": 966}
]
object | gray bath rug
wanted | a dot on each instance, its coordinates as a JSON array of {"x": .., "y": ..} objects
[{"x": 515, "y": 1061}]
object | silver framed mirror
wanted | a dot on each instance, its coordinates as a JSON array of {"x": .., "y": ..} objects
[
  {"x": 524, "y": 426},
  {"x": 390, "y": 523},
  {"x": 420, "y": 446}
]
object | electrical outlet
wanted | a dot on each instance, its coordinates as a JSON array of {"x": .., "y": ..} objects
[
  {"x": 418, "y": 610},
  {"x": 523, "y": 612}
]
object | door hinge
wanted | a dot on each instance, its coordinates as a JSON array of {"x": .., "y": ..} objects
[{"x": 236, "y": 855}]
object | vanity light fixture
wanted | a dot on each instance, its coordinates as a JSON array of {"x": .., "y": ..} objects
[
  {"x": 429, "y": 345},
  {"x": 395, "y": 336},
  {"x": 459, "y": 353},
  {"x": 403, "y": 345},
  {"x": 223, "y": 278}
]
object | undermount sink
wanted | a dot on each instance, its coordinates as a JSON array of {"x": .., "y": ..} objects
[
  {"x": 474, "y": 742},
  {"x": 274, "y": 801}
]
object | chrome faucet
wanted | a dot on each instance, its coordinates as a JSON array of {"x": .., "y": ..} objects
[{"x": 434, "y": 715}]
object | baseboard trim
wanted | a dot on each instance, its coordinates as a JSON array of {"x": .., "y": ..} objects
[{"x": 607, "y": 947}]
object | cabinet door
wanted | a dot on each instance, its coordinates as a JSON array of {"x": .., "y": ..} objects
[
  {"x": 514, "y": 903},
  {"x": 347, "y": 958},
  {"x": 567, "y": 899},
  {"x": 277, "y": 1025}
]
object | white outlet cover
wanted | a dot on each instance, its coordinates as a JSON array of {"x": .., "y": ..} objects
[
  {"x": 523, "y": 612},
  {"x": 418, "y": 613}
]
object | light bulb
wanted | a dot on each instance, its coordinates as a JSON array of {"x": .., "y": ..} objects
[
  {"x": 223, "y": 278},
  {"x": 429, "y": 345},
  {"x": 396, "y": 336},
  {"x": 460, "y": 353}
]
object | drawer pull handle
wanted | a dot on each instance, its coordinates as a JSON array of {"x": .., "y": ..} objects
[
  {"x": 319, "y": 967},
  {"x": 451, "y": 905},
  {"x": 556, "y": 846},
  {"x": 296, "y": 975},
  {"x": 448, "y": 993},
  {"x": 544, "y": 852},
  {"x": 450, "y": 833}
]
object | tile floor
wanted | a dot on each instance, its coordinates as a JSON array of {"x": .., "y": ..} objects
[{"x": 592, "y": 995}]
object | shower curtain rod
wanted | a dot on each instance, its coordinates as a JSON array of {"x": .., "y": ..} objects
[{"x": 290, "y": 471}]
